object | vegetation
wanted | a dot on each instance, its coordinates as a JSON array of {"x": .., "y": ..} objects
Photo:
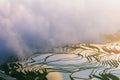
[
  {"x": 12, "y": 69},
  {"x": 102, "y": 64}
]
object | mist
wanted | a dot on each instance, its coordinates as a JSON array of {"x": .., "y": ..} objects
[{"x": 26, "y": 25}]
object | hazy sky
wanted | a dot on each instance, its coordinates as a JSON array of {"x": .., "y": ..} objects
[{"x": 30, "y": 23}]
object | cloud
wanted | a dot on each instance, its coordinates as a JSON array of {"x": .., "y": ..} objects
[{"x": 27, "y": 24}]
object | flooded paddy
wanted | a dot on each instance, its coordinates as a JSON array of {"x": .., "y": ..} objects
[{"x": 71, "y": 62}]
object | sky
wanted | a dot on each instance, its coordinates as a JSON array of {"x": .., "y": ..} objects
[{"x": 29, "y": 24}]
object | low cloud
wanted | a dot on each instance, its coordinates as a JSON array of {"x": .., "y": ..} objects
[{"x": 29, "y": 24}]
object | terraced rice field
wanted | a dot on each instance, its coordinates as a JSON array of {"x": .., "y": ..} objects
[{"x": 69, "y": 62}]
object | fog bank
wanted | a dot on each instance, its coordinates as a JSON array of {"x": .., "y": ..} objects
[{"x": 29, "y": 24}]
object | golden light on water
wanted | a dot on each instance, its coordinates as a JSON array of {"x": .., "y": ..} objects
[
  {"x": 42, "y": 23},
  {"x": 54, "y": 76}
]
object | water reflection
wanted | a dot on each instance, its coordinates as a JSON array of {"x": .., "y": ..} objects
[
  {"x": 71, "y": 62},
  {"x": 54, "y": 76}
]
